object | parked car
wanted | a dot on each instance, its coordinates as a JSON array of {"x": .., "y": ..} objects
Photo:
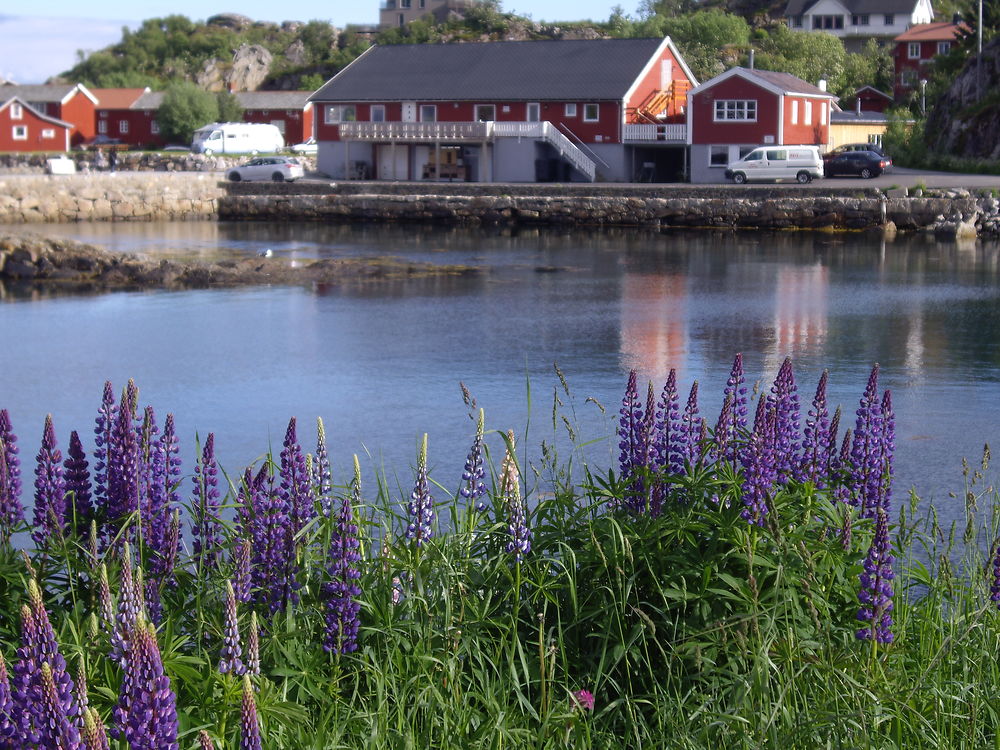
[
  {"x": 865, "y": 164},
  {"x": 873, "y": 147},
  {"x": 799, "y": 163},
  {"x": 308, "y": 148},
  {"x": 276, "y": 168}
]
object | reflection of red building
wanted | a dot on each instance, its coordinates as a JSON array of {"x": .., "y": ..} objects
[
  {"x": 654, "y": 324},
  {"x": 800, "y": 311}
]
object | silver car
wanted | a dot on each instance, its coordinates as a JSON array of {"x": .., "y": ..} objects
[{"x": 275, "y": 168}]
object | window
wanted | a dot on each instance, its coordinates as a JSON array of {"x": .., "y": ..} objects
[
  {"x": 718, "y": 156},
  {"x": 822, "y": 113},
  {"x": 102, "y": 126},
  {"x": 889, "y": 19},
  {"x": 428, "y": 113},
  {"x": 280, "y": 125},
  {"x": 20, "y": 132},
  {"x": 795, "y": 111},
  {"x": 486, "y": 112},
  {"x": 402, "y": 20},
  {"x": 797, "y": 22},
  {"x": 736, "y": 109},
  {"x": 338, "y": 113},
  {"x": 16, "y": 111},
  {"x": 861, "y": 19},
  {"x": 533, "y": 112},
  {"x": 809, "y": 113},
  {"x": 909, "y": 78},
  {"x": 913, "y": 50},
  {"x": 777, "y": 155},
  {"x": 423, "y": 3},
  {"x": 377, "y": 113},
  {"x": 944, "y": 48},
  {"x": 828, "y": 22},
  {"x": 123, "y": 126},
  {"x": 404, "y": 3},
  {"x": 591, "y": 112},
  {"x": 753, "y": 155},
  {"x": 154, "y": 127},
  {"x": 570, "y": 110},
  {"x": 48, "y": 133}
]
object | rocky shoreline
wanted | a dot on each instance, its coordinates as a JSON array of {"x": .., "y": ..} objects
[{"x": 76, "y": 266}]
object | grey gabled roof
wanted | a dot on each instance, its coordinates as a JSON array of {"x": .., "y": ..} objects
[
  {"x": 788, "y": 83},
  {"x": 40, "y": 93},
  {"x": 871, "y": 7},
  {"x": 578, "y": 69},
  {"x": 273, "y": 99},
  {"x": 152, "y": 100}
]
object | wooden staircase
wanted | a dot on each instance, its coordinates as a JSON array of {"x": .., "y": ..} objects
[{"x": 669, "y": 101}]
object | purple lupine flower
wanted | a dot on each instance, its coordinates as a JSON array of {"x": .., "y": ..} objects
[
  {"x": 421, "y": 505},
  {"x": 148, "y": 450},
  {"x": 322, "y": 476},
  {"x": 7, "y": 727},
  {"x": 665, "y": 442},
  {"x": 204, "y": 741},
  {"x": 206, "y": 523},
  {"x": 633, "y": 444},
  {"x": 264, "y": 520},
  {"x": 876, "y": 585},
  {"x": 759, "y": 469},
  {"x": 737, "y": 390},
  {"x": 26, "y": 696},
  {"x": 242, "y": 581},
  {"x": 162, "y": 538},
  {"x": 107, "y": 416},
  {"x": 104, "y": 601},
  {"x": 815, "y": 464},
  {"x": 785, "y": 401},
  {"x": 510, "y": 493},
  {"x": 294, "y": 488},
  {"x": 81, "y": 694},
  {"x": 130, "y": 608},
  {"x": 722, "y": 437},
  {"x": 123, "y": 465},
  {"x": 11, "y": 511},
  {"x": 253, "y": 645},
  {"x": 342, "y": 590},
  {"x": 888, "y": 448},
  {"x": 57, "y": 731},
  {"x": 231, "y": 658},
  {"x": 995, "y": 586},
  {"x": 95, "y": 737},
  {"x": 153, "y": 602},
  {"x": 78, "y": 489},
  {"x": 50, "y": 489},
  {"x": 473, "y": 489},
  {"x": 249, "y": 723},
  {"x": 148, "y": 702},
  {"x": 866, "y": 449},
  {"x": 691, "y": 426}
]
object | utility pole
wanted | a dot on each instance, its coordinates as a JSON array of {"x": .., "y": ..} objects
[{"x": 979, "y": 54}]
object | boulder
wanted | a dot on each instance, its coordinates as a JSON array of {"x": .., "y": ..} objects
[{"x": 251, "y": 65}]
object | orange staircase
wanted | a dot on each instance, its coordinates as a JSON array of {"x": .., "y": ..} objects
[{"x": 667, "y": 101}]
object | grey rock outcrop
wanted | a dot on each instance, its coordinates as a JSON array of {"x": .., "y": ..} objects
[
  {"x": 957, "y": 124},
  {"x": 230, "y": 21},
  {"x": 251, "y": 65}
]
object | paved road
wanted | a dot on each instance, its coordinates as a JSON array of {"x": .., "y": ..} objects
[{"x": 908, "y": 178}]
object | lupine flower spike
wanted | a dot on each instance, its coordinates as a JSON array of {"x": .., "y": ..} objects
[
  {"x": 295, "y": 486},
  {"x": 876, "y": 585},
  {"x": 632, "y": 444},
  {"x": 50, "y": 489},
  {"x": 207, "y": 523},
  {"x": 815, "y": 464},
  {"x": 249, "y": 723},
  {"x": 866, "y": 449},
  {"x": 759, "y": 468},
  {"x": 510, "y": 492},
  {"x": 149, "y": 703},
  {"x": 342, "y": 590},
  {"x": 784, "y": 399},
  {"x": 231, "y": 659},
  {"x": 241, "y": 570},
  {"x": 253, "y": 646},
  {"x": 473, "y": 488},
  {"x": 322, "y": 476},
  {"x": 77, "y": 479},
  {"x": 421, "y": 505},
  {"x": 204, "y": 741},
  {"x": 57, "y": 730},
  {"x": 6, "y": 704},
  {"x": 995, "y": 587},
  {"x": 94, "y": 735},
  {"x": 11, "y": 512}
]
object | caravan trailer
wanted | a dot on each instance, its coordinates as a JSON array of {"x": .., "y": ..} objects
[{"x": 237, "y": 138}]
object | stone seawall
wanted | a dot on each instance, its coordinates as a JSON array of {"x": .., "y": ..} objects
[{"x": 29, "y": 199}]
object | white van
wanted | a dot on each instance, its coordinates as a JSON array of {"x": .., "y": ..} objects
[
  {"x": 799, "y": 163},
  {"x": 237, "y": 138}
]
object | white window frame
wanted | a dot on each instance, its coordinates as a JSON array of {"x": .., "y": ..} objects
[
  {"x": 336, "y": 114},
  {"x": 913, "y": 50},
  {"x": 735, "y": 110},
  {"x": 795, "y": 111},
  {"x": 570, "y": 109},
  {"x": 380, "y": 108},
  {"x": 808, "y": 114},
  {"x": 714, "y": 152},
  {"x": 908, "y": 78},
  {"x": 123, "y": 126},
  {"x": 154, "y": 127},
  {"x": 48, "y": 132},
  {"x": 533, "y": 112},
  {"x": 16, "y": 111},
  {"x": 428, "y": 113},
  {"x": 822, "y": 113},
  {"x": 481, "y": 107},
  {"x": 596, "y": 108},
  {"x": 102, "y": 126},
  {"x": 20, "y": 132},
  {"x": 943, "y": 48},
  {"x": 889, "y": 19}
]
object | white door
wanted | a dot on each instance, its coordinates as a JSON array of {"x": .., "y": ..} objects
[
  {"x": 393, "y": 161},
  {"x": 409, "y": 111},
  {"x": 534, "y": 112},
  {"x": 666, "y": 74}
]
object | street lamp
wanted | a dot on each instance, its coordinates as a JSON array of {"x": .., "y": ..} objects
[{"x": 923, "y": 97}]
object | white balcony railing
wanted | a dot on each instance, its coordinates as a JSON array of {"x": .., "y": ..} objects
[
  {"x": 670, "y": 132},
  {"x": 414, "y": 131}
]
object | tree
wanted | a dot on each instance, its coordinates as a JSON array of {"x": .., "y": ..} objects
[
  {"x": 185, "y": 108},
  {"x": 810, "y": 55},
  {"x": 870, "y": 67},
  {"x": 703, "y": 38},
  {"x": 230, "y": 109}
]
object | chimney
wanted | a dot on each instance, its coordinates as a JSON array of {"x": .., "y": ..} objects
[
  {"x": 750, "y": 63},
  {"x": 821, "y": 84},
  {"x": 956, "y": 18}
]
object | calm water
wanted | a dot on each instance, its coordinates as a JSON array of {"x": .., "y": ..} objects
[{"x": 381, "y": 363}]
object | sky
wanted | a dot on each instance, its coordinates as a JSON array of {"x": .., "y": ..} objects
[{"x": 42, "y": 41}]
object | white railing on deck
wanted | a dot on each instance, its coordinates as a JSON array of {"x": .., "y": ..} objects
[{"x": 673, "y": 132}]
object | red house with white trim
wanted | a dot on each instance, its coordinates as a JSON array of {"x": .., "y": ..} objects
[
  {"x": 22, "y": 128},
  {"x": 914, "y": 50},
  {"x": 290, "y": 111},
  {"x": 71, "y": 103},
  {"x": 608, "y": 109},
  {"x": 740, "y": 109},
  {"x": 122, "y": 116}
]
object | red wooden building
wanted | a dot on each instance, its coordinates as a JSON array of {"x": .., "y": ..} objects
[
  {"x": 129, "y": 116},
  {"x": 23, "y": 128},
  {"x": 71, "y": 103},
  {"x": 507, "y": 111},
  {"x": 290, "y": 111},
  {"x": 742, "y": 108},
  {"x": 914, "y": 49}
]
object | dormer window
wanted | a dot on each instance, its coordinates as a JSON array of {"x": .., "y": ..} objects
[{"x": 16, "y": 111}]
